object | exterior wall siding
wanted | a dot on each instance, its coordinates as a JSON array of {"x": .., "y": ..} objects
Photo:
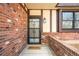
[
  {"x": 35, "y": 12},
  {"x": 54, "y": 21},
  {"x": 46, "y": 25},
  {"x": 46, "y": 14},
  {"x": 62, "y": 44},
  {"x": 13, "y": 29}
]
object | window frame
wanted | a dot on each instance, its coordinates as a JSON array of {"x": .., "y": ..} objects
[{"x": 73, "y": 21}]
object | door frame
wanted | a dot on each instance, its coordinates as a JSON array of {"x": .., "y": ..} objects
[{"x": 32, "y": 17}]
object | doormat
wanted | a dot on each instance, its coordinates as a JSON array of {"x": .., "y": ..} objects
[{"x": 34, "y": 47}]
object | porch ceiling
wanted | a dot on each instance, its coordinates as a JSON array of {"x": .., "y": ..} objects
[{"x": 41, "y": 5}]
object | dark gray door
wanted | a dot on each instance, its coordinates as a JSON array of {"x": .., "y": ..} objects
[{"x": 34, "y": 30}]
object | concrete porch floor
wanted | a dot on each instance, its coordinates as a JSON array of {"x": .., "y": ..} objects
[{"x": 43, "y": 51}]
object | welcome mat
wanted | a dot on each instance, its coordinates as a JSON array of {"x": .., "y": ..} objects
[{"x": 34, "y": 47}]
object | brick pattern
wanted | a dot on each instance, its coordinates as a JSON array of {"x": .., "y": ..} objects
[
  {"x": 66, "y": 36},
  {"x": 60, "y": 48},
  {"x": 44, "y": 39},
  {"x": 61, "y": 36},
  {"x": 13, "y": 29}
]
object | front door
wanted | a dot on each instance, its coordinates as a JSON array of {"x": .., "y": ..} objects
[{"x": 34, "y": 35}]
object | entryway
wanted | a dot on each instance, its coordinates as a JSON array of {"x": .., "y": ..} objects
[
  {"x": 34, "y": 30},
  {"x": 42, "y": 50}
]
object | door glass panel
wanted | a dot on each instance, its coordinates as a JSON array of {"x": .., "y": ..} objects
[
  {"x": 34, "y": 24},
  {"x": 34, "y": 20},
  {"x": 31, "y": 40},
  {"x": 34, "y": 33},
  {"x": 34, "y": 28},
  {"x": 34, "y": 40}
]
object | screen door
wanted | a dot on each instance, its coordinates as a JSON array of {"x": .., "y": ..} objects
[{"x": 34, "y": 30}]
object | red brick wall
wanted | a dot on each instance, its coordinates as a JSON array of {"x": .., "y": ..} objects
[
  {"x": 54, "y": 41},
  {"x": 44, "y": 39},
  {"x": 61, "y": 36},
  {"x": 66, "y": 36},
  {"x": 60, "y": 48},
  {"x": 13, "y": 29}
]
